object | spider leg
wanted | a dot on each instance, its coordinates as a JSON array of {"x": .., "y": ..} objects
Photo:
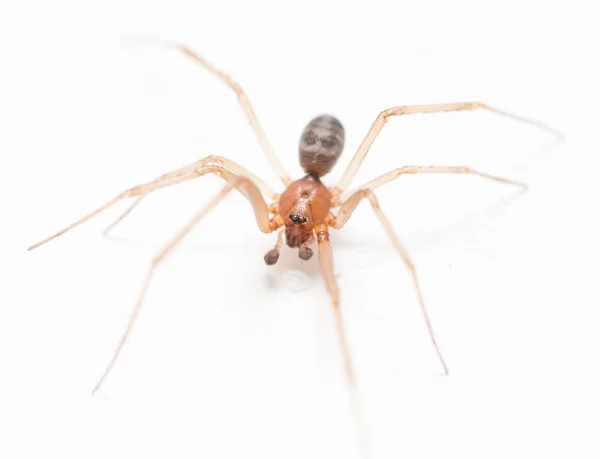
[
  {"x": 123, "y": 215},
  {"x": 228, "y": 164},
  {"x": 342, "y": 218},
  {"x": 245, "y": 187},
  {"x": 209, "y": 160},
  {"x": 326, "y": 263},
  {"x": 382, "y": 119},
  {"x": 394, "y": 174},
  {"x": 244, "y": 103},
  {"x": 180, "y": 175}
]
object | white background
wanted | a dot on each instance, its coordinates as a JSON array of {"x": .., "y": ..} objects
[{"x": 231, "y": 358}]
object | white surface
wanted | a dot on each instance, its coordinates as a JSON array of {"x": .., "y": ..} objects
[{"x": 228, "y": 362}]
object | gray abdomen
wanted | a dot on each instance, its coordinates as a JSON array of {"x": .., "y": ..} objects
[{"x": 321, "y": 144}]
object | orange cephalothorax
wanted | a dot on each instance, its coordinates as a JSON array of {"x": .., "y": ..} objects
[{"x": 303, "y": 204}]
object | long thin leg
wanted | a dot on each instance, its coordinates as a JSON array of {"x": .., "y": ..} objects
[
  {"x": 244, "y": 186},
  {"x": 394, "y": 174},
  {"x": 326, "y": 263},
  {"x": 136, "y": 191},
  {"x": 123, "y": 215},
  {"x": 209, "y": 160},
  {"x": 228, "y": 164},
  {"x": 243, "y": 101},
  {"x": 178, "y": 176},
  {"x": 192, "y": 171},
  {"x": 382, "y": 118},
  {"x": 344, "y": 215}
]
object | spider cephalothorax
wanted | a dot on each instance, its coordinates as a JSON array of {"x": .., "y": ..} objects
[{"x": 304, "y": 204}]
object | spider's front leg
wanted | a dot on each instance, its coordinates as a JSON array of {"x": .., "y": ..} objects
[{"x": 211, "y": 164}]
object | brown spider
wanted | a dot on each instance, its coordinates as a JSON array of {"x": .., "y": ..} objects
[{"x": 303, "y": 210}]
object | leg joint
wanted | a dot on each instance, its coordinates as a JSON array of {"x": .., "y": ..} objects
[
  {"x": 394, "y": 111},
  {"x": 212, "y": 159}
]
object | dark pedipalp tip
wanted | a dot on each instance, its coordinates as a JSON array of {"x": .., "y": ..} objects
[
  {"x": 305, "y": 253},
  {"x": 271, "y": 257}
]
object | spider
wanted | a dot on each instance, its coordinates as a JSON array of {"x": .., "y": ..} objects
[{"x": 302, "y": 213}]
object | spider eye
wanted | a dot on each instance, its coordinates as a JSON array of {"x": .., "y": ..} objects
[{"x": 297, "y": 219}]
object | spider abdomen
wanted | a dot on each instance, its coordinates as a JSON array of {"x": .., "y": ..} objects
[{"x": 321, "y": 144}]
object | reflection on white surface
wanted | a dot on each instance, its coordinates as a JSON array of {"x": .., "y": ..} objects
[{"x": 296, "y": 281}]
